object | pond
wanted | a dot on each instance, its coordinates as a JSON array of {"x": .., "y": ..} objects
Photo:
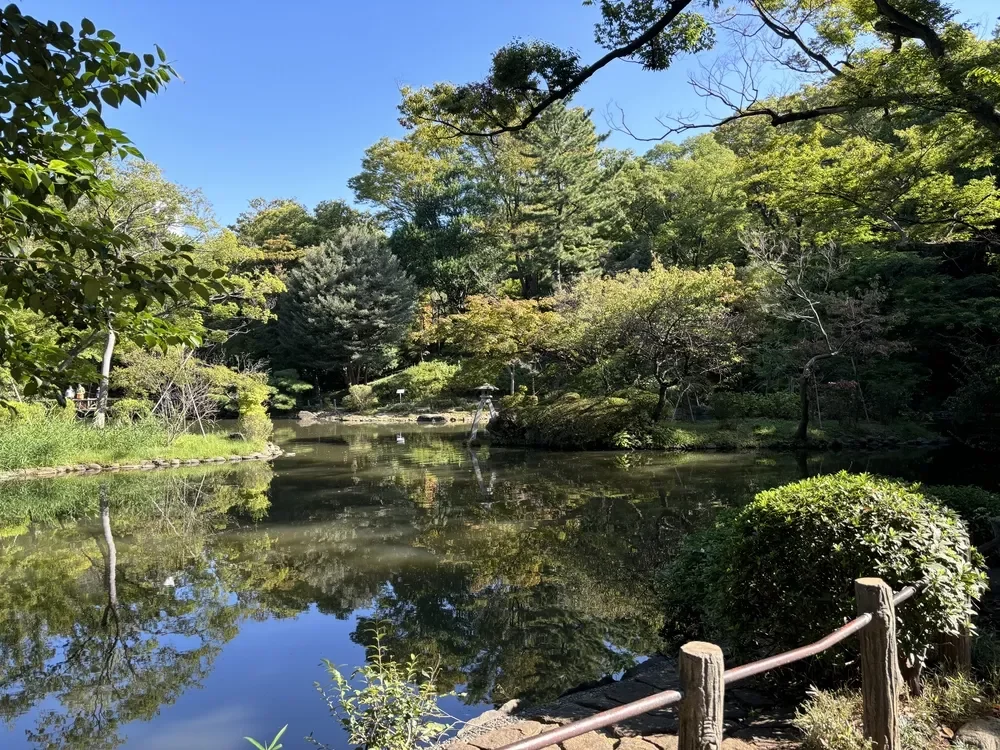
[{"x": 191, "y": 607}]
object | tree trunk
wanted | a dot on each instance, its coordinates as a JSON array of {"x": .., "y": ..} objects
[
  {"x": 802, "y": 433},
  {"x": 101, "y": 413},
  {"x": 660, "y": 402}
]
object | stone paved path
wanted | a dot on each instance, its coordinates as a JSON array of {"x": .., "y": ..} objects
[{"x": 751, "y": 723}]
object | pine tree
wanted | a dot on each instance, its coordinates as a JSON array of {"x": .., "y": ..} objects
[
  {"x": 570, "y": 200},
  {"x": 347, "y": 308}
]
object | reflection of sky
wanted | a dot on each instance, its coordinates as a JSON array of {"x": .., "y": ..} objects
[
  {"x": 357, "y": 532},
  {"x": 249, "y": 693}
]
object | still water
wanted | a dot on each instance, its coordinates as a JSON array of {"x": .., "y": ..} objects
[{"x": 188, "y": 608}]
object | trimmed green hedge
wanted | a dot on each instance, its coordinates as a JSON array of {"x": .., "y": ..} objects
[{"x": 779, "y": 572}]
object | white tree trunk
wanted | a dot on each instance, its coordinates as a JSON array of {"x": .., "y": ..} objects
[{"x": 101, "y": 413}]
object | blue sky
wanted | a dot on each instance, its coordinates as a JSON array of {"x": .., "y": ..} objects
[{"x": 280, "y": 99}]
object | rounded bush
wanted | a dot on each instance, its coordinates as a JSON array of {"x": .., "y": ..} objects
[
  {"x": 779, "y": 572},
  {"x": 23, "y": 412},
  {"x": 360, "y": 398},
  {"x": 976, "y": 506},
  {"x": 728, "y": 405},
  {"x": 128, "y": 410},
  {"x": 424, "y": 381}
]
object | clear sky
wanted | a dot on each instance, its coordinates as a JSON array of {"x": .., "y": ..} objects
[{"x": 280, "y": 99}]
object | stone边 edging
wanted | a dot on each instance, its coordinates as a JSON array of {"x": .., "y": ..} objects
[{"x": 271, "y": 452}]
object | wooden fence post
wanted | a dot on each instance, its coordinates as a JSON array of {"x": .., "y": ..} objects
[
  {"x": 879, "y": 664},
  {"x": 701, "y": 671},
  {"x": 957, "y": 649}
]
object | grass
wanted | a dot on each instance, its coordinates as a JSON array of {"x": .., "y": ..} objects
[
  {"x": 48, "y": 442},
  {"x": 831, "y": 720}
]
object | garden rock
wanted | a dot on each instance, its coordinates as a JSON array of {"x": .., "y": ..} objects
[{"x": 983, "y": 734}]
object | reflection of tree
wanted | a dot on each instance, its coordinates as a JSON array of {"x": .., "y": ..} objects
[
  {"x": 519, "y": 608},
  {"x": 530, "y": 582},
  {"x": 88, "y": 616},
  {"x": 545, "y": 581}
]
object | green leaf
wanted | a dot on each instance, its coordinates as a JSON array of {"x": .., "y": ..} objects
[
  {"x": 149, "y": 60},
  {"x": 159, "y": 51},
  {"x": 87, "y": 26},
  {"x": 91, "y": 288},
  {"x": 130, "y": 92},
  {"x": 110, "y": 97}
]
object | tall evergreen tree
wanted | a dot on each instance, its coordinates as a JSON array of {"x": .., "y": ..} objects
[
  {"x": 569, "y": 200},
  {"x": 348, "y": 306}
]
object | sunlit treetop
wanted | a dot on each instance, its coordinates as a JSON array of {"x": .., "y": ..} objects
[{"x": 874, "y": 54}]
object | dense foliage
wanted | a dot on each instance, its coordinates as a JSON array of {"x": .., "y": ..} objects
[
  {"x": 347, "y": 308},
  {"x": 827, "y": 255},
  {"x": 780, "y": 572}
]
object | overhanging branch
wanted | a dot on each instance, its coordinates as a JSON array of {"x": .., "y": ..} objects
[{"x": 627, "y": 50}]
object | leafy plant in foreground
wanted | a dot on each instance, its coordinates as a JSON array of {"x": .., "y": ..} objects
[
  {"x": 272, "y": 745},
  {"x": 394, "y": 708}
]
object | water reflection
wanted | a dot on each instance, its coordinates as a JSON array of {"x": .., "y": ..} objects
[{"x": 524, "y": 573}]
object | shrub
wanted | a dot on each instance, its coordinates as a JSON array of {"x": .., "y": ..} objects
[
  {"x": 286, "y": 389},
  {"x": 129, "y": 410},
  {"x": 423, "y": 382},
  {"x": 22, "y": 411},
  {"x": 571, "y": 421},
  {"x": 361, "y": 398},
  {"x": 779, "y": 405},
  {"x": 255, "y": 426},
  {"x": 252, "y": 393},
  {"x": 975, "y": 505},
  {"x": 829, "y": 721},
  {"x": 780, "y": 572}
]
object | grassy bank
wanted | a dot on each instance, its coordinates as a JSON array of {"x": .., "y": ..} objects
[
  {"x": 61, "y": 442},
  {"x": 573, "y": 422}
]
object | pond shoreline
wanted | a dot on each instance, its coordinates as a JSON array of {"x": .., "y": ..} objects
[
  {"x": 271, "y": 452},
  {"x": 818, "y": 446},
  {"x": 306, "y": 418}
]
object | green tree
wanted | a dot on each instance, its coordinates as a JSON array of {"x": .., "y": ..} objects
[
  {"x": 286, "y": 219},
  {"x": 499, "y": 335},
  {"x": 348, "y": 307},
  {"x": 701, "y": 202},
  {"x": 427, "y": 190},
  {"x": 680, "y": 329},
  {"x": 568, "y": 201},
  {"x": 884, "y": 55},
  {"x": 75, "y": 274}
]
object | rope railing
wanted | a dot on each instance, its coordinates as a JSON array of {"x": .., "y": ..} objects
[{"x": 703, "y": 678}]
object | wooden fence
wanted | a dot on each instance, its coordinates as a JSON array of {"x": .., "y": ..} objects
[{"x": 704, "y": 677}]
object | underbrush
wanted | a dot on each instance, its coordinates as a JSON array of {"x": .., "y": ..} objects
[
  {"x": 831, "y": 720},
  {"x": 570, "y": 421},
  {"x": 59, "y": 442}
]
